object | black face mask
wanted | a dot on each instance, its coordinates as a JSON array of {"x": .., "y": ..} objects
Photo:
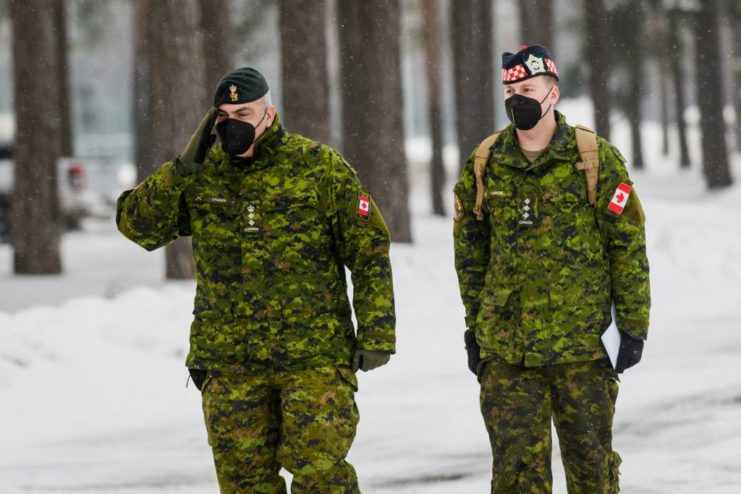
[
  {"x": 237, "y": 136},
  {"x": 524, "y": 112}
]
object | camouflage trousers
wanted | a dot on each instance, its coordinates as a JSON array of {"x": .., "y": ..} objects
[
  {"x": 518, "y": 404},
  {"x": 303, "y": 421}
]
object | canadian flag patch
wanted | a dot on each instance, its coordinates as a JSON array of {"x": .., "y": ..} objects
[
  {"x": 620, "y": 198},
  {"x": 363, "y": 206}
]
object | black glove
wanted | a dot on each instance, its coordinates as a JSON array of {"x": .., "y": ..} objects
[
  {"x": 473, "y": 350},
  {"x": 368, "y": 360},
  {"x": 194, "y": 154},
  {"x": 629, "y": 353},
  {"x": 198, "y": 376}
]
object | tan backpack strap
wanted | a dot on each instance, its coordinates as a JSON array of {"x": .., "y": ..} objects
[
  {"x": 479, "y": 167},
  {"x": 586, "y": 141}
]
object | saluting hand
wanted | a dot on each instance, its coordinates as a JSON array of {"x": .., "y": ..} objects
[{"x": 194, "y": 154}]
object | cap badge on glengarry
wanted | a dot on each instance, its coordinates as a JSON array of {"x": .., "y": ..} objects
[{"x": 535, "y": 64}]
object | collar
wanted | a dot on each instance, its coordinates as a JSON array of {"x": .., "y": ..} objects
[
  {"x": 507, "y": 149},
  {"x": 269, "y": 142}
]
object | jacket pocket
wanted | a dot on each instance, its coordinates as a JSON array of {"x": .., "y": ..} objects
[{"x": 498, "y": 318}]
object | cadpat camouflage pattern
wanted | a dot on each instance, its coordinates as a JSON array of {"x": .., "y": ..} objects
[
  {"x": 517, "y": 405},
  {"x": 271, "y": 241},
  {"x": 538, "y": 275},
  {"x": 307, "y": 428}
]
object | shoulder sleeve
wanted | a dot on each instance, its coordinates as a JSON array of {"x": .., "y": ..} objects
[
  {"x": 362, "y": 241},
  {"x": 154, "y": 213},
  {"x": 471, "y": 239},
  {"x": 621, "y": 220}
]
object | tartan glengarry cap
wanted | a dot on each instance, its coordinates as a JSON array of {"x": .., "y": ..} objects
[
  {"x": 529, "y": 62},
  {"x": 240, "y": 86}
]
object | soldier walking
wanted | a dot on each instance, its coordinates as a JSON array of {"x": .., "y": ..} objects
[
  {"x": 275, "y": 219},
  {"x": 549, "y": 236}
]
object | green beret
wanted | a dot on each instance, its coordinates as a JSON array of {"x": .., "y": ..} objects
[{"x": 240, "y": 86}]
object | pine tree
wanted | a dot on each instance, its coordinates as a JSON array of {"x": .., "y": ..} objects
[
  {"x": 35, "y": 214},
  {"x": 304, "y": 77},
  {"x": 710, "y": 96},
  {"x": 536, "y": 22},
  {"x": 597, "y": 52},
  {"x": 473, "y": 67},
  {"x": 432, "y": 50},
  {"x": 219, "y": 41},
  {"x": 627, "y": 23},
  {"x": 372, "y": 106},
  {"x": 175, "y": 91},
  {"x": 676, "y": 47}
]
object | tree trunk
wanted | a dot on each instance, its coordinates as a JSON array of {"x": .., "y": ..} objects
[
  {"x": 675, "y": 42},
  {"x": 218, "y": 40},
  {"x": 628, "y": 32},
  {"x": 372, "y": 106},
  {"x": 473, "y": 68},
  {"x": 710, "y": 97},
  {"x": 142, "y": 118},
  {"x": 634, "y": 112},
  {"x": 598, "y": 57},
  {"x": 60, "y": 22},
  {"x": 536, "y": 22},
  {"x": 664, "y": 103},
  {"x": 305, "y": 79},
  {"x": 178, "y": 97},
  {"x": 634, "y": 109},
  {"x": 432, "y": 50},
  {"x": 661, "y": 53},
  {"x": 35, "y": 215}
]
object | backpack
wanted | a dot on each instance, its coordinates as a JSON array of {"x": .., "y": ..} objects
[{"x": 586, "y": 142}]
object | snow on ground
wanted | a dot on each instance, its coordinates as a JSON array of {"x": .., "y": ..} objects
[{"x": 92, "y": 383}]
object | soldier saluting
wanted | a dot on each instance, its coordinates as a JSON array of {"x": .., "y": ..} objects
[
  {"x": 274, "y": 218},
  {"x": 548, "y": 235}
]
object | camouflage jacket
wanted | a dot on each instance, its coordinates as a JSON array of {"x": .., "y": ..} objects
[
  {"x": 271, "y": 241},
  {"x": 539, "y": 274}
]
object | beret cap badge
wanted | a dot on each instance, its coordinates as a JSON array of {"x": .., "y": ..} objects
[{"x": 233, "y": 93}]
